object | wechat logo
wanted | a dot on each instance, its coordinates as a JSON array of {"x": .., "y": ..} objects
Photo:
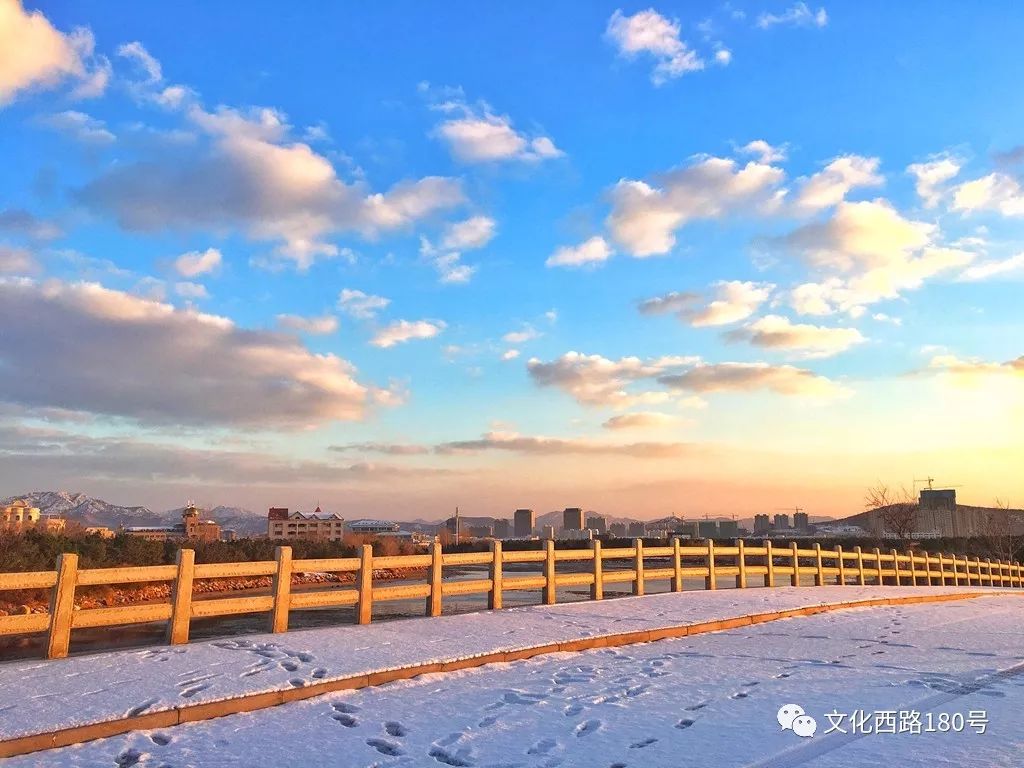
[{"x": 793, "y": 718}]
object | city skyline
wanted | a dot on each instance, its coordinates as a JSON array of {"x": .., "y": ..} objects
[{"x": 707, "y": 258}]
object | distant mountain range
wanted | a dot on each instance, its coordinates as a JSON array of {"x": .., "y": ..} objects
[{"x": 90, "y": 511}]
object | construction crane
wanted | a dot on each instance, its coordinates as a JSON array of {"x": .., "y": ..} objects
[
  {"x": 794, "y": 510},
  {"x": 931, "y": 480}
]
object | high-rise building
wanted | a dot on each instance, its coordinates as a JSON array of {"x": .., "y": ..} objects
[
  {"x": 707, "y": 529},
  {"x": 728, "y": 529},
  {"x": 572, "y": 519},
  {"x": 781, "y": 523},
  {"x": 762, "y": 524},
  {"x": 501, "y": 528},
  {"x": 688, "y": 528},
  {"x": 597, "y": 523},
  {"x": 617, "y": 529},
  {"x": 636, "y": 529},
  {"x": 549, "y": 532},
  {"x": 800, "y": 521},
  {"x": 524, "y": 522}
]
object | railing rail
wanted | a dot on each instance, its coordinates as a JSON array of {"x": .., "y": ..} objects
[{"x": 768, "y": 563}]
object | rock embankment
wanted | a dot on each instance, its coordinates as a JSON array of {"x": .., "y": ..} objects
[{"x": 109, "y": 597}]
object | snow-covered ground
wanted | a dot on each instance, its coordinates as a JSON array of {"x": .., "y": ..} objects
[{"x": 709, "y": 700}]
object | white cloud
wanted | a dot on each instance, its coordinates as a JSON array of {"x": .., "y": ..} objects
[
  {"x": 526, "y": 333},
  {"x": 797, "y": 15},
  {"x": 249, "y": 174},
  {"x": 598, "y": 381},
  {"x": 675, "y": 302},
  {"x": 648, "y": 32},
  {"x": 868, "y": 252},
  {"x": 317, "y": 326},
  {"x": 973, "y": 370},
  {"x": 34, "y": 54},
  {"x": 734, "y": 300},
  {"x": 644, "y": 218},
  {"x": 588, "y": 253},
  {"x": 994, "y": 268},
  {"x": 640, "y": 420},
  {"x": 860, "y": 235},
  {"x": 189, "y": 290},
  {"x": 930, "y": 176},
  {"x": 196, "y": 263},
  {"x": 748, "y": 377},
  {"x": 80, "y": 127},
  {"x": 764, "y": 152},
  {"x": 17, "y": 261},
  {"x": 998, "y": 192},
  {"x": 136, "y": 52},
  {"x": 474, "y": 232},
  {"x": 723, "y": 56},
  {"x": 109, "y": 352},
  {"x": 833, "y": 183},
  {"x": 593, "y": 380},
  {"x": 510, "y": 354},
  {"x": 362, "y": 306},
  {"x": 402, "y": 331},
  {"x": 448, "y": 264},
  {"x": 547, "y": 446},
  {"x": 478, "y": 135},
  {"x": 882, "y": 317},
  {"x": 777, "y": 332}
]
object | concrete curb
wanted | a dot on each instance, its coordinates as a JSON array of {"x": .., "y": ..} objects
[{"x": 190, "y": 713}]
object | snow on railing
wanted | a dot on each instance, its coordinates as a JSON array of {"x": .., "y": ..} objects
[{"x": 674, "y": 563}]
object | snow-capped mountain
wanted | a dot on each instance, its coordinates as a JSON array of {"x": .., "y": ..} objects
[
  {"x": 87, "y": 510},
  {"x": 84, "y": 509}
]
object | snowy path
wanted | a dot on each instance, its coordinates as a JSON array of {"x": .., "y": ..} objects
[
  {"x": 87, "y": 689},
  {"x": 705, "y": 701}
]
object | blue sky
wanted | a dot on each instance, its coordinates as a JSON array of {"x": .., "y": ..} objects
[{"x": 399, "y": 257}]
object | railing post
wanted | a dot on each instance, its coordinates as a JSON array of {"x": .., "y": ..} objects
[
  {"x": 913, "y": 568},
  {"x": 956, "y": 573},
  {"x": 281, "y": 589},
  {"x": 677, "y": 567},
  {"x": 769, "y": 564},
  {"x": 597, "y": 588},
  {"x": 494, "y": 596},
  {"x": 1002, "y": 574},
  {"x": 860, "y": 566},
  {"x": 181, "y": 597},
  {"x": 62, "y": 606},
  {"x": 896, "y": 568},
  {"x": 550, "y": 595},
  {"x": 711, "y": 580},
  {"x": 795, "y": 579},
  {"x": 638, "y": 566},
  {"x": 364, "y": 585},
  {"x": 988, "y": 571},
  {"x": 928, "y": 568},
  {"x": 819, "y": 575},
  {"x": 878, "y": 564},
  {"x": 434, "y": 579},
  {"x": 741, "y": 564},
  {"x": 841, "y": 578}
]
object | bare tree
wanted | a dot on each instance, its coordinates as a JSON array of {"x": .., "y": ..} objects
[
  {"x": 1002, "y": 532},
  {"x": 896, "y": 508}
]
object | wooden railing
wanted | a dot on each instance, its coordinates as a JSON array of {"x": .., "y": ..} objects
[{"x": 775, "y": 565}]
